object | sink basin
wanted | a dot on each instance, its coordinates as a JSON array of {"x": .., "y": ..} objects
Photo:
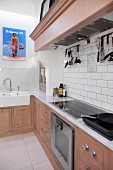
[{"x": 14, "y": 98}]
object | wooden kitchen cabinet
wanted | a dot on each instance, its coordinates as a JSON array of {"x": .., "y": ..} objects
[
  {"x": 91, "y": 154},
  {"x": 110, "y": 160},
  {"x": 42, "y": 121},
  {"x": 22, "y": 117},
  {"x": 37, "y": 109},
  {"x": 5, "y": 120}
]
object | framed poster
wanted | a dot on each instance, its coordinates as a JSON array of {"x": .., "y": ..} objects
[{"x": 14, "y": 44}]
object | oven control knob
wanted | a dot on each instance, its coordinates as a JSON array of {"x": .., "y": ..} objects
[
  {"x": 85, "y": 147},
  {"x": 92, "y": 153}
]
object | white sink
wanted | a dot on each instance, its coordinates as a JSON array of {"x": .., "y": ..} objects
[{"x": 14, "y": 98}]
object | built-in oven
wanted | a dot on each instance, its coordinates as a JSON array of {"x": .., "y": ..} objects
[{"x": 62, "y": 142}]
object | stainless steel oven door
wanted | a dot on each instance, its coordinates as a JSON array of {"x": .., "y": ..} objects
[{"x": 62, "y": 137}]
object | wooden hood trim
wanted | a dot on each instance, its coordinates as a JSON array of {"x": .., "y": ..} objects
[
  {"x": 57, "y": 8},
  {"x": 66, "y": 17}
]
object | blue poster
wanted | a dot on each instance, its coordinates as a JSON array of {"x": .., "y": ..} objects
[{"x": 14, "y": 44}]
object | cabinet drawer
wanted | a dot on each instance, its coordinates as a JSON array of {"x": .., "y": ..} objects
[
  {"x": 85, "y": 163},
  {"x": 90, "y": 148}
]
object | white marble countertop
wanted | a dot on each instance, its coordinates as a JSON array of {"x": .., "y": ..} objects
[{"x": 78, "y": 122}]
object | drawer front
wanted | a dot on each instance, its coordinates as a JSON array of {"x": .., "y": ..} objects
[
  {"x": 85, "y": 163},
  {"x": 91, "y": 150}
]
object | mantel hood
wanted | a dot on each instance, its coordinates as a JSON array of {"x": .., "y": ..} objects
[{"x": 66, "y": 18}]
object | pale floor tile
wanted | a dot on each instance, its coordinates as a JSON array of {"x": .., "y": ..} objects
[
  {"x": 43, "y": 166},
  {"x": 27, "y": 168},
  {"x": 19, "y": 151},
  {"x": 14, "y": 158},
  {"x": 36, "y": 152},
  {"x": 29, "y": 137},
  {"x": 11, "y": 141}
]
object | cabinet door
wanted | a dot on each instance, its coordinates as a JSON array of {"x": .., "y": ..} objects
[
  {"x": 5, "y": 120},
  {"x": 37, "y": 116},
  {"x": 22, "y": 117}
]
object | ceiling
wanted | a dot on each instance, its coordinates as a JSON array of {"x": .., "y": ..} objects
[{"x": 25, "y": 7}]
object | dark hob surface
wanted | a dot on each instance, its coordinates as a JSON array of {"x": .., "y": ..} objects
[{"x": 77, "y": 108}]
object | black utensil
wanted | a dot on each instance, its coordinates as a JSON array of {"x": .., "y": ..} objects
[
  {"x": 71, "y": 61},
  {"x": 77, "y": 60},
  {"x": 111, "y": 54},
  {"x": 65, "y": 52},
  {"x": 102, "y": 53},
  {"x": 69, "y": 53},
  {"x": 97, "y": 42},
  {"x": 107, "y": 46}
]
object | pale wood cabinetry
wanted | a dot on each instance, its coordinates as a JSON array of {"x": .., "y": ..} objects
[
  {"x": 42, "y": 121},
  {"x": 110, "y": 158},
  {"x": 5, "y": 120},
  {"x": 37, "y": 115},
  {"x": 22, "y": 117},
  {"x": 92, "y": 155}
]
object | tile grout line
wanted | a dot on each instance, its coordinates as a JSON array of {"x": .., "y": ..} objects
[{"x": 29, "y": 156}]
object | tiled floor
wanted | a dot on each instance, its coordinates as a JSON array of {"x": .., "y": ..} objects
[{"x": 22, "y": 152}]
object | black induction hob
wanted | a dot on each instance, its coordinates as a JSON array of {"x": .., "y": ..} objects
[{"x": 76, "y": 108}]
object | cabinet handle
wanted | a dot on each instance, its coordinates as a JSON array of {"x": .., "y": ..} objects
[
  {"x": 85, "y": 147},
  {"x": 92, "y": 153},
  {"x": 87, "y": 168}
]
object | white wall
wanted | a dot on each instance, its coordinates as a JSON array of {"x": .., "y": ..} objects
[
  {"x": 52, "y": 60},
  {"x": 92, "y": 87}
]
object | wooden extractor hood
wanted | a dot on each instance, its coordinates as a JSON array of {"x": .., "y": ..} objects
[{"x": 66, "y": 17}]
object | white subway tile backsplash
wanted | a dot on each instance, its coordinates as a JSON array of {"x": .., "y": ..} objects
[
  {"x": 83, "y": 93},
  {"x": 80, "y": 75},
  {"x": 101, "y": 83},
  {"x": 110, "y": 84},
  {"x": 79, "y": 86},
  {"x": 107, "y": 106},
  {"x": 93, "y": 87},
  {"x": 87, "y": 75},
  {"x": 96, "y": 89},
  {"x": 92, "y": 95},
  {"x": 101, "y": 97},
  {"x": 110, "y": 68},
  {"x": 76, "y": 91},
  {"x": 107, "y": 76},
  {"x": 88, "y": 100},
  {"x": 87, "y": 88},
  {"x": 92, "y": 82},
  {"x": 107, "y": 92},
  {"x": 101, "y": 69},
  {"x": 96, "y": 76},
  {"x": 110, "y": 100},
  {"x": 82, "y": 69},
  {"x": 96, "y": 102},
  {"x": 87, "y": 50}
]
